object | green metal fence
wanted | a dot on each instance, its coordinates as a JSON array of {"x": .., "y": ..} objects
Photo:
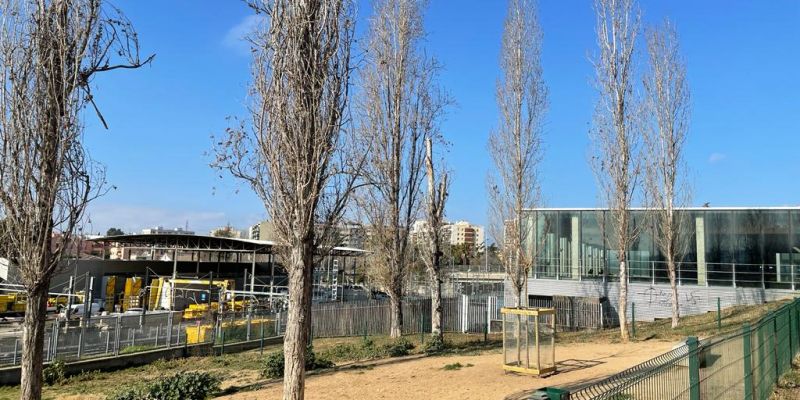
[{"x": 742, "y": 365}]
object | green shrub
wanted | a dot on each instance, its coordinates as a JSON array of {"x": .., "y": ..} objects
[
  {"x": 274, "y": 363},
  {"x": 435, "y": 345},
  {"x": 55, "y": 372},
  {"x": 181, "y": 386},
  {"x": 184, "y": 386},
  {"x": 398, "y": 348}
]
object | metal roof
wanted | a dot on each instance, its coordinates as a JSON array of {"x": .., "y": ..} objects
[{"x": 205, "y": 243}]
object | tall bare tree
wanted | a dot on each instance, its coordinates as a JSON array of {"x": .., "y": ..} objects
[
  {"x": 50, "y": 50},
  {"x": 516, "y": 145},
  {"x": 291, "y": 153},
  {"x": 432, "y": 235},
  {"x": 615, "y": 132},
  {"x": 667, "y": 105},
  {"x": 401, "y": 105}
]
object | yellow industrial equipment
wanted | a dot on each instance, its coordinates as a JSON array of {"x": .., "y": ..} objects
[
  {"x": 202, "y": 332},
  {"x": 132, "y": 294},
  {"x": 193, "y": 292},
  {"x": 111, "y": 287}
]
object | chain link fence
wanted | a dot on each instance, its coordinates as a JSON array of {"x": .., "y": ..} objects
[{"x": 743, "y": 365}]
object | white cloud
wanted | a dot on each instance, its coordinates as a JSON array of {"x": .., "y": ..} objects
[
  {"x": 716, "y": 157},
  {"x": 236, "y": 37}
]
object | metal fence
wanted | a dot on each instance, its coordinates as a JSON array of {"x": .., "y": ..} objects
[
  {"x": 743, "y": 365},
  {"x": 466, "y": 314},
  {"x": 104, "y": 336}
]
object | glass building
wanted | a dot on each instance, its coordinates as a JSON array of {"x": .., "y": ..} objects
[{"x": 746, "y": 247}]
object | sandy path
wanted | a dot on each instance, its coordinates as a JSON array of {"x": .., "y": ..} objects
[{"x": 425, "y": 379}]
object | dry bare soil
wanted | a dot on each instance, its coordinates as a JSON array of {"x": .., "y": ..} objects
[{"x": 480, "y": 377}]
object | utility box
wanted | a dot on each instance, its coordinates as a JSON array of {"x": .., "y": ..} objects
[
  {"x": 529, "y": 336},
  {"x": 550, "y": 393}
]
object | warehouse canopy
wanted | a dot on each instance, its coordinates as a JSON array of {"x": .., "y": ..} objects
[{"x": 186, "y": 242}]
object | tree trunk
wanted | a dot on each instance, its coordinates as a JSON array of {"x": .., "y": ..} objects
[
  {"x": 396, "y": 329},
  {"x": 436, "y": 303},
  {"x": 623, "y": 301},
  {"x": 33, "y": 344},
  {"x": 298, "y": 323},
  {"x": 673, "y": 284}
]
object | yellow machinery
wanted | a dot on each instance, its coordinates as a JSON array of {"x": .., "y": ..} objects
[
  {"x": 111, "y": 287},
  {"x": 202, "y": 332},
  {"x": 193, "y": 292},
  {"x": 131, "y": 296}
]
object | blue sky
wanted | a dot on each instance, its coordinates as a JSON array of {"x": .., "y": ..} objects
[{"x": 743, "y": 65}]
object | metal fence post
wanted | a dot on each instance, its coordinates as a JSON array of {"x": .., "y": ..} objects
[
  {"x": 633, "y": 320},
  {"x": 55, "y": 340},
  {"x": 169, "y": 329},
  {"x": 748, "y": 364},
  {"x": 734, "y": 274},
  {"x": 249, "y": 323},
  {"x": 80, "y": 341},
  {"x": 116, "y": 335},
  {"x": 261, "y": 344},
  {"x": 158, "y": 333},
  {"x": 719, "y": 316},
  {"x": 763, "y": 284},
  {"x": 108, "y": 341},
  {"x": 16, "y": 345},
  {"x": 694, "y": 369}
]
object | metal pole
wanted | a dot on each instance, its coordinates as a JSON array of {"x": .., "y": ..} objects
[
  {"x": 169, "y": 329},
  {"x": 261, "y": 344},
  {"x": 16, "y": 346},
  {"x": 70, "y": 292},
  {"x": 763, "y": 284},
  {"x": 88, "y": 311},
  {"x": 253, "y": 273},
  {"x": 174, "y": 277},
  {"x": 719, "y": 316},
  {"x": 116, "y": 335},
  {"x": 633, "y": 320}
]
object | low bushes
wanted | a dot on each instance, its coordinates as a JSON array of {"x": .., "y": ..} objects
[
  {"x": 274, "y": 363},
  {"x": 367, "y": 350},
  {"x": 181, "y": 386},
  {"x": 55, "y": 372}
]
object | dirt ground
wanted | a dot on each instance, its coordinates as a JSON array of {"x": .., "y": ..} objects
[{"x": 425, "y": 378}]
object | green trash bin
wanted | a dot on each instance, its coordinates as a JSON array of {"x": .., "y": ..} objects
[{"x": 550, "y": 393}]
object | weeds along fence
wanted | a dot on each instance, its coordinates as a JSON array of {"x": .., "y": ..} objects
[{"x": 743, "y": 365}]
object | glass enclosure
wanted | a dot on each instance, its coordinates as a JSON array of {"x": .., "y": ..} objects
[
  {"x": 529, "y": 340},
  {"x": 717, "y": 247}
]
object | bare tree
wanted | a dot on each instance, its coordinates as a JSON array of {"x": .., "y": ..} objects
[
  {"x": 49, "y": 53},
  {"x": 291, "y": 153},
  {"x": 616, "y": 162},
  {"x": 432, "y": 235},
  {"x": 516, "y": 145},
  {"x": 400, "y": 107},
  {"x": 667, "y": 106}
]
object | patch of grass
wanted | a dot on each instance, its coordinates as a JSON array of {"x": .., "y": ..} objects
[
  {"x": 701, "y": 325},
  {"x": 789, "y": 384},
  {"x": 455, "y": 366}
]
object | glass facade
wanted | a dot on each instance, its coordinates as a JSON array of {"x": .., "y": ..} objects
[{"x": 718, "y": 247}]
